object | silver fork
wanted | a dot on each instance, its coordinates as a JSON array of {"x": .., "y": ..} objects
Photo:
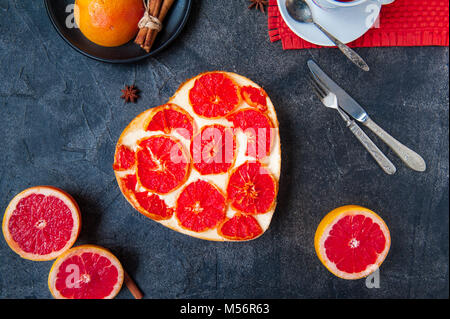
[{"x": 329, "y": 99}]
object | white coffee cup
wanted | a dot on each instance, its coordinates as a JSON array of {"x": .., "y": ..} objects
[{"x": 340, "y": 4}]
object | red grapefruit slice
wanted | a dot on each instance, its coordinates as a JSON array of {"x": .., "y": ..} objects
[
  {"x": 255, "y": 97},
  {"x": 154, "y": 207},
  {"x": 86, "y": 272},
  {"x": 41, "y": 223},
  {"x": 214, "y": 95},
  {"x": 258, "y": 129},
  {"x": 162, "y": 164},
  {"x": 129, "y": 183},
  {"x": 147, "y": 204},
  {"x": 170, "y": 117},
  {"x": 252, "y": 189},
  {"x": 240, "y": 227},
  {"x": 352, "y": 242},
  {"x": 200, "y": 206},
  {"x": 213, "y": 150},
  {"x": 124, "y": 159}
]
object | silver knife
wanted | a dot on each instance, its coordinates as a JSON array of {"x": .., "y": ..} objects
[{"x": 349, "y": 105}]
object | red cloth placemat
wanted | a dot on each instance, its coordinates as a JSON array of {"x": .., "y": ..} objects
[{"x": 402, "y": 23}]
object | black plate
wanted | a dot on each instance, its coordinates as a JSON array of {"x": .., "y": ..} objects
[{"x": 130, "y": 52}]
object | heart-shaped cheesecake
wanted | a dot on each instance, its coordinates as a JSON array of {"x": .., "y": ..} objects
[{"x": 207, "y": 163}]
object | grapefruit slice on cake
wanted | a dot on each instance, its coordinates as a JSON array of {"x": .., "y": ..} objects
[
  {"x": 240, "y": 227},
  {"x": 258, "y": 129},
  {"x": 255, "y": 97},
  {"x": 170, "y": 117},
  {"x": 86, "y": 272},
  {"x": 162, "y": 164},
  {"x": 214, "y": 95},
  {"x": 200, "y": 206},
  {"x": 41, "y": 223},
  {"x": 213, "y": 150},
  {"x": 207, "y": 162},
  {"x": 352, "y": 242},
  {"x": 252, "y": 189},
  {"x": 124, "y": 159}
]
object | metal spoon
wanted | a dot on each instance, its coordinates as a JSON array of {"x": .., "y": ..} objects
[{"x": 299, "y": 10}]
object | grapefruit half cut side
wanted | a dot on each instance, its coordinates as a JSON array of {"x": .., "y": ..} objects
[
  {"x": 352, "y": 242},
  {"x": 41, "y": 223},
  {"x": 252, "y": 189},
  {"x": 170, "y": 117},
  {"x": 214, "y": 95},
  {"x": 259, "y": 131},
  {"x": 240, "y": 227},
  {"x": 213, "y": 150},
  {"x": 162, "y": 164},
  {"x": 86, "y": 272},
  {"x": 200, "y": 206}
]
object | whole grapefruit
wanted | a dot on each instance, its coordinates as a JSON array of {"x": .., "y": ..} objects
[{"x": 108, "y": 23}]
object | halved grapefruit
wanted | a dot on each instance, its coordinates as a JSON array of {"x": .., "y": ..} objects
[
  {"x": 162, "y": 164},
  {"x": 240, "y": 227},
  {"x": 214, "y": 95},
  {"x": 170, "y": 117},
  {"x": 258, "y": 128},
  {"x": 252, "y": 189},
  {"x": 352, "y": 242},
  {"x": 213, "y": 150},
  {"x": 255, "y": 97},
  {"x": 86, "y": 272},
  {"x": 200, "y": 206},
  {"x": 41, "y": 223}
]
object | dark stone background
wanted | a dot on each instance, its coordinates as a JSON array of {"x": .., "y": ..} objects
[{"x": 61, "y": 116}]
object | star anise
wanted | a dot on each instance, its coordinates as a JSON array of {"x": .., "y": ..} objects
[
  {"x": 130, "y": 94},
  {"x": 258, "y": 4}
]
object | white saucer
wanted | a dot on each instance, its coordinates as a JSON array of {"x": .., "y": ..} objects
[{"x": 346, "y": 24}]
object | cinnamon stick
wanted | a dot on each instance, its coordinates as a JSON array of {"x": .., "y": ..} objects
[
  {"x": 140, "y": 38},
  {"x": 142, "y": 34},
  {"x": 154, "y": 9},
  {"x": 167, "y": 4},
  {"x": 132, "y": 287}
]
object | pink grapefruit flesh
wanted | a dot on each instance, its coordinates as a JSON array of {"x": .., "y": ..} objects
[
  {"x": 200, "y": 206},
  {"x": 214, "y": 95},
  {"x": 251, "y": 189},
  {"x": 86, "y": 272},
  {"x": 170, "y": 118},
  {"x": 258, "y": 128},
  {"x": 162, "y": 164},
  {"x": 41, "y": 223},
  {"x": 213, "y": 150}
]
